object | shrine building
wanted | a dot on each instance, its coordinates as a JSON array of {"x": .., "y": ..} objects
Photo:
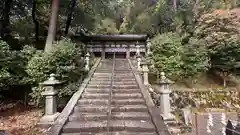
[{"x": 123, "y": 46}]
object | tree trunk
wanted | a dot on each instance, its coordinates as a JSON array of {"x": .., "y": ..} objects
[
  {"x": 52, "y": 26},
  {"x": 174, "y": 4},
  {"x": 69, "y": 19},
  {"x": 5, "y": 22},
  {"x": 36, "y": 23}
]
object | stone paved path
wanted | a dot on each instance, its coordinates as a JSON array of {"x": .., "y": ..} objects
[{"x": 111, "y": 104}]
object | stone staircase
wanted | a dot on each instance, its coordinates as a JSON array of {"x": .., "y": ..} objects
[{"x": 112, "y": 104}]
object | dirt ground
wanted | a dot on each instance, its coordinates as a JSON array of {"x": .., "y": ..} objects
[{"x": 18, "y": 119}]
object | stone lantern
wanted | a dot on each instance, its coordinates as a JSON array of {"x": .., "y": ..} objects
[
  {"x": 164, "y": 91},
  {"x": 50, "y": 95},
  {"x": 145, "y": 70},
  {"x": 87, "y": 61}
]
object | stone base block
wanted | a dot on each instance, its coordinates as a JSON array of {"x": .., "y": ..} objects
[
  {"x": 47, "y": 120},
  {"x": 168, "y": 117}
]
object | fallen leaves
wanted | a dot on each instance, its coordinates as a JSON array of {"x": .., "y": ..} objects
[{"x": 18, "y": 119}]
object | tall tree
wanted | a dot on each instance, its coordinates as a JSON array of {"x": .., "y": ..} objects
[
  {"x": 174, "y": 2},
  {"x": 69, "y": 18},
  {"x": 35, "y": 21},
  {"x": 52, "y": 26},
  {"x": 5, "y": 22}
]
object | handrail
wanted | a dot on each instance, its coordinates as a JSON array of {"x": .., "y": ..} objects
[{"x": 110, "y": 97}]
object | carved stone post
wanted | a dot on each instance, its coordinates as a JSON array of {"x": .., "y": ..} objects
[
  {"x": 145, "y": 72},
  {"x": 50, "y": 94},
  {"x": 87, "y": 62},
  {"x": 128, "y": 52},
  {"x": 103, "y": 52},
  {"x": 164, "y": 92},
  {"x": 148, "y": 47},
  {"x": 137, "y": 50},
  {"x": 139, "y": 62}
]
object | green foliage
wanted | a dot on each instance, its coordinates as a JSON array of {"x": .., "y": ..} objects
[
  {"x": 61, "y": 61},
  {"x": 178, "y": 60},
  {"x": 222, "y": 35},
  {"x": 167, "y": 51},
  {"x": 144, "y": 17},
  {"x": 195, "y": 57},
  {"x": 107, "y": 26},
  {"x": 11, "y": 68}
]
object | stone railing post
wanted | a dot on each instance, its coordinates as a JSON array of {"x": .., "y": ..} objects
[
  {"x": 139, "y": 62},
  {"x": 164, "y": 92},
  {"x": 148, "y": 47},
  {"x": 50, "y": 95},
  {"x": 145, "y": 70},
  {"x": 87, "y": 62},
  {"x": 137, "y": 50}
]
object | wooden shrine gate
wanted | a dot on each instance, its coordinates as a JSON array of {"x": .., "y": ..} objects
[{"x": 124, "y": 46}]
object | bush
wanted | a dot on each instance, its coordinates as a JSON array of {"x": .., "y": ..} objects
[
  {"x": 62, "y": 62},
  {"x": 167, "y": 54},
  {"x": 11, "y": 67},
  {"x": 178, "y": 60},
  {"x": 221, "y": 32},
  {"x": 195, "y": 58}
]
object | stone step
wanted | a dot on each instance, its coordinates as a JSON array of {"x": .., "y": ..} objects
[
  {"x": 102, "y": 108},
  {"x": 124, "y": 80},
  {"x": 109, "y": 83},
  {"x": 102, "y": 74},
  {"x": 115, "y": 125},
  {"x": 132, "y": 86},
  {"x": 98, "y": 116},
  {"x": 129, "y": 108},
  {"x": 125, "y": 74},
  {"x": 89, "y": 126},
  {"x": 130, "y": 116},
  {"x": 127, "y": 91},
  {"x": 114, "y": 82},
  {"x": 100, "y": 90},
  {"x": 98, "y": 86},
  {"x": 115, "y": 95},
  {"x": 95, "y": 95},
  {"x": 113, "y": 133},
  {"x": 115, "y": 79},
  {"x": 110, "y": 75},
  {"x": 114, "y": 116},
  {"x": 127, "y": 101},
  {"x": 90, "y": 108},
  {"x": 125, "y": 83},
  {"x": 126, "y": 96},
  {"x": 114, "y": 102},
  {"x": 129, "y": 86},
  {"x": 93, "y": 101},
  {"x": 102, "y": 77}
]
